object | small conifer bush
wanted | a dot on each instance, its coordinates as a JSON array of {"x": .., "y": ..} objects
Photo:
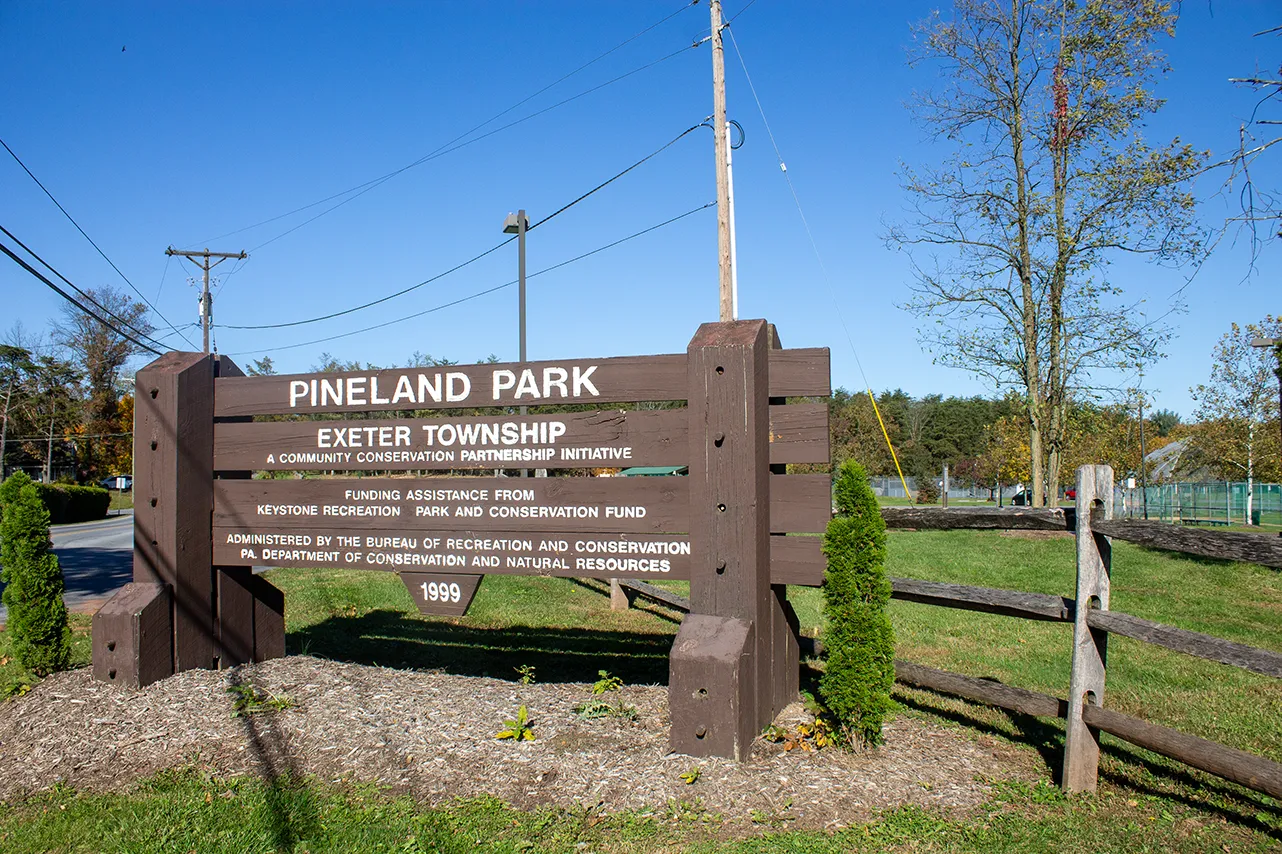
[
  {"x": 927, "y": 489},
  {"x": 858, "y": 640},
  {"x": 37, "y": 622}
]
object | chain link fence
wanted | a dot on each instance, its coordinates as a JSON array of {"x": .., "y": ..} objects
[{"x": 1208, "y": 503}]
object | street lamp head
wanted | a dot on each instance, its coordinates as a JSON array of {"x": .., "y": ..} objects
[
  {"x": 512, "y": 225},
  {"x": 1266, "y": 342}
]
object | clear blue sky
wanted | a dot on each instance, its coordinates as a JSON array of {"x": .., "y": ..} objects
[{"x": 217, "y": 116}]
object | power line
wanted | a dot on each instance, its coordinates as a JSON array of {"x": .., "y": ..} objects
[
  {"x": 479, "y": 256},
  {"x": 74, "y": 438},
  {"x": 74, "y": 287},
  {"x": 441, "y": 152},
  {"x": 33, "y": 271},
  {"x": 72, "y": 220},
  {"x": 823, "y": 268},
  {"x": 449, "y": 146},
  {"x": 479, "y": 294}
]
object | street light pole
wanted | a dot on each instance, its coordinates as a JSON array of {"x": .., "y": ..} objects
[{"x": 518, "y": 225}]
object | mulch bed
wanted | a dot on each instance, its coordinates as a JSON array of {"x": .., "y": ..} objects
[{"x": 431, "y": 735}]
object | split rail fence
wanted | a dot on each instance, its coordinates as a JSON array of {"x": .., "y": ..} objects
[{"x": 1092, "y": 521}]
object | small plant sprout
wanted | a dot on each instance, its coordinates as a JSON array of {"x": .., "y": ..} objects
[
  {"x": 247, "y": 701},
  {"x": 606, "y": 683},
  {"x": 526, "y": 672},
  {"x": 519, "y": 729},
  {"x": 691, "y": 776}
]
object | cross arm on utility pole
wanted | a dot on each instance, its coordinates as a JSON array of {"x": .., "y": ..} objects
[{"x": 206, "y": 306}]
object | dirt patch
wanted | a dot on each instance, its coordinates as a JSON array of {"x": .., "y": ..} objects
[
  {"x": 432, "y": 735},
  {"x": 1038, "y": 535}
]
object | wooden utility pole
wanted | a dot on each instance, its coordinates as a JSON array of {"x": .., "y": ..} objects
[
  {"x": 723, "y": 178},
  {"x": 206, "y": 301}
]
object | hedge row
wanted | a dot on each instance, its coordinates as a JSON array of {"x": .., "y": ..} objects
[{"x": 67, "y": 502}]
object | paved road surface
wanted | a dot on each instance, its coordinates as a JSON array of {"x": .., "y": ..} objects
[{"x": 96, "y": 558}]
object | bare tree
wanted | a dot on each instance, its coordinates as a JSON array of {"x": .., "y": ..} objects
[
  {"x": 1011, "y": 235},
  {"x": 1260, "y": 208}
]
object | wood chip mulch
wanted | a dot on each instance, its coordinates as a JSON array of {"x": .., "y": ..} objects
[{"x": 431, "y": 735}]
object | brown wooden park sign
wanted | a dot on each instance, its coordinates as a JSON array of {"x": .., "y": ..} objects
[{"x": 201, "y": 522}]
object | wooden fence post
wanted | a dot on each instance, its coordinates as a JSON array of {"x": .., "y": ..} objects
[
  {"x": 174, "y": 497},
  {"x": 1090, "y": 646},
  {"x": 720, "y": 690}
]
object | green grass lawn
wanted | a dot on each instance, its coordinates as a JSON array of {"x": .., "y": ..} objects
[{"x": 566, "y": 631}]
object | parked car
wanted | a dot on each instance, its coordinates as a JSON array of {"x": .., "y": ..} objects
[{"x": 123, "y": 482}]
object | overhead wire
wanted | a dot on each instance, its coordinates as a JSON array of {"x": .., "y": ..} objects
[
  {"x": 481, "y": 293},
  {"x": 73, "y": 286},
  {"x": 69, "y": 298},
  {"x": 823, "y": 268},
  {"x": 478, "y": 256},
  {"x": 72, "y": 220},
  {"x": 378, "y": 182},
  {"x": 449, "y": 146}
]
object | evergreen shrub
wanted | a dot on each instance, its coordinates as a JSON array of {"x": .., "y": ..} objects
[
  {"x": 858, "y": 640},
  {"x": 65, "y": 502},
  {"x": 927, "y": 489},
  {"x": 37, "y": 621}
]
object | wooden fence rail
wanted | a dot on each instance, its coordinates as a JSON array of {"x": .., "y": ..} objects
[
  {"x": 1191, "y": 643},
  {"x": 1220, "y": 545},
  {"x": 1246, "y": 769},
  {"x": 1011, "y": 603},
  {"x": 1091, "y": 630}
]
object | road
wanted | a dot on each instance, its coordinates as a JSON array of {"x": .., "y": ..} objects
[{"x": 96, "y": 558}]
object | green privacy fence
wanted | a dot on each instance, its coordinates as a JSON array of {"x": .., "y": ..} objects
[{"x": 1212, "y": 503}]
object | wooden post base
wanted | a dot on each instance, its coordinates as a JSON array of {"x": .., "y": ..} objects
[
  {"x": 133, "y": 636},
  {"x": 712, "y": 684},
  {"x": 620, "y": 597}
]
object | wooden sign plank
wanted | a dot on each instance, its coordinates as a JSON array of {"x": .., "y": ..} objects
[
  {"x": 347, "y": 506},
  {"x": 794, "y": 560},
  {"x": 800, "y": 372},
  {"x": 798, "y": 434},
  {"x": 440, "y": 594},
  {"x": 794, "y": 373}
]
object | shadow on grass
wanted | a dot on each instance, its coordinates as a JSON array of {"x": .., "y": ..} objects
[
  {"x": 1167, "y": 779},
  {"x": 392, "y": 639},
  {"x": 292, "y": 815}
]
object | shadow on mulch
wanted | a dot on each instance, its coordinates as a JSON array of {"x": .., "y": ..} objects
[{"x": 392, "y": 639}]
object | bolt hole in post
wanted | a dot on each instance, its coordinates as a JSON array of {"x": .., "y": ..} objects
[
  {"x": 111, "y": 646},
  {"x": 721, "y": 567},
  {"x": 700, "y": 732},
  {"x": 111, "y": 674},
  {"x": 720, "y": 370},
  {"x": 154, "y": 445},
  {"x": 702, "y": 693},
  {"x": 721, "y": 508},
  {"x": 153, "y": 502},
  {"x": 154, "y": 392},
  {"x": 719, "y": 439}
]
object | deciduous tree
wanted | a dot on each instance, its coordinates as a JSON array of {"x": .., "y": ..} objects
[
  {"x": 101, "y": 353},
  {"x": 1049, "y": 178},
  {"x": 1238, "y": 407}
]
